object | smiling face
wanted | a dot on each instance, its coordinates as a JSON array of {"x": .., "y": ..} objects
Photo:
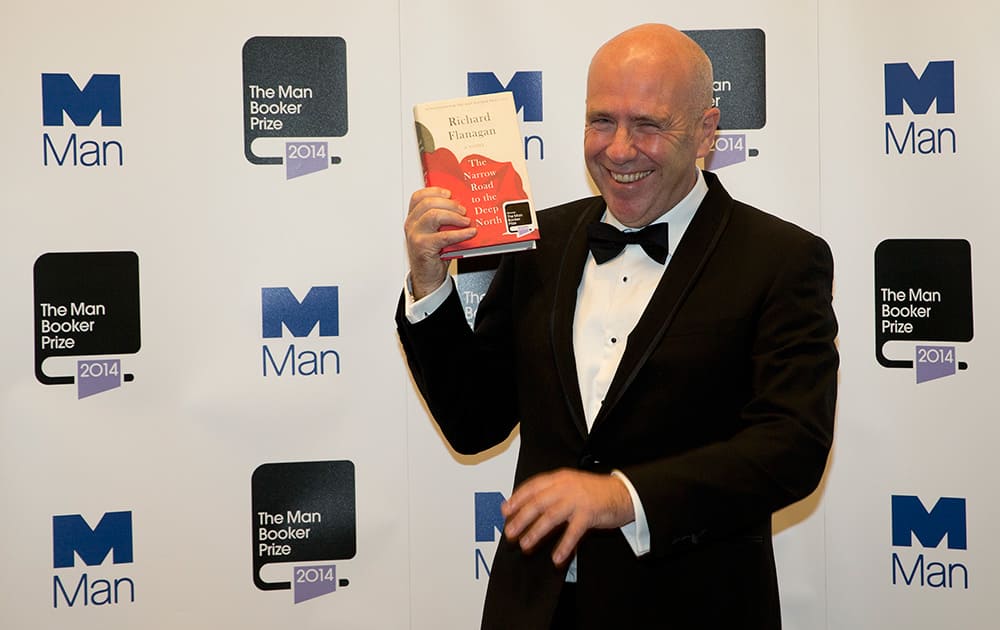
[{"x": 647, "y": 121}]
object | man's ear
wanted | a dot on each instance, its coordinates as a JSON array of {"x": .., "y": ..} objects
[{"x": 706, "y": 130}]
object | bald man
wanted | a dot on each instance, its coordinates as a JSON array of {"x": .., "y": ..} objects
[{"x": 668, "y": 353}]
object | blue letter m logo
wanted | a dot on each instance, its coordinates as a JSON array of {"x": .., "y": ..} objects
[
  {"x": 937, "y": 82},
  {"x": 279, "y": 306},
  {"x": 526, "y": 86},
  {"x": 489, "y": 520},
  {"x": 70, "y": 533},
  {"x": 946, "y": 517},
  {"x": 103, "y": 93}
]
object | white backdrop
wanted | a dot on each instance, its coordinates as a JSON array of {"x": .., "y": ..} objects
[{"x": 214, "y": 235}]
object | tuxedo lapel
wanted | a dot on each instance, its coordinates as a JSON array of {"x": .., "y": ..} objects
[
  {"x": 564, "y": 307},
  {"x": 685, "y": 266}
]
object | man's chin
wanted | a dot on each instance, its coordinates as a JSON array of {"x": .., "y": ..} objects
[{"x": 628, "y": 213}]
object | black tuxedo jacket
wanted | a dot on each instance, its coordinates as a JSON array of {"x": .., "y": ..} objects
[{"x": 721, "y": 412}]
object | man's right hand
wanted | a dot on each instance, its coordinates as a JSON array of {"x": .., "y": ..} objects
[{"x": 431, "y": 208}]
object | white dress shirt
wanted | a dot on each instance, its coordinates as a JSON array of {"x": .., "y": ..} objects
[{"x": 609, "y": 302}]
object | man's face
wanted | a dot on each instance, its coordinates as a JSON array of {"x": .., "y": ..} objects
[{"x": 641, "y": 139}]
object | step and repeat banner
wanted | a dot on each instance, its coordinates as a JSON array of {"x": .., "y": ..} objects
[
  {"x": 205, "y": 417},
  {"x": 907, "y": 135}
]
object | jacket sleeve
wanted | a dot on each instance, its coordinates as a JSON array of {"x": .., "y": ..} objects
[{"x": 456, "y": 369}]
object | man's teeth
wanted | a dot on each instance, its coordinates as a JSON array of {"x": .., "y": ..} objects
[{"x": 628, "y": 178}]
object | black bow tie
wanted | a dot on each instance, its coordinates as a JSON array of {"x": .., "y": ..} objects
[{"x": 606, "y": 241}]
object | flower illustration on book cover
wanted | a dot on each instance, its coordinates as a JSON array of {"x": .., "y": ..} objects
[{"x": 491, "y": 191}]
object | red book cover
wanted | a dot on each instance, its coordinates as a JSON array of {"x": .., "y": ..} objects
[{"x": 473, "y": 147}]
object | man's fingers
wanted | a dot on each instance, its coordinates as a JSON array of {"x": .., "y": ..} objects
[
  {"x": 427, "y": 193},
  {"x": 535, "y": 509},
  {"x": 441, "y": 218},
  {"x": 547, "y": 520},
  {"x": 575, "y": 530},
  {"x": 444, "y": 238},
  {"x": 427, "y": 199},
  {"x": 524, "y": 504},
  {"x": 521, "y": 518},
  {"x": 423, "y": 229},
  {"x": 524, "y": 493},
  {"x": 428, "y": 238}
]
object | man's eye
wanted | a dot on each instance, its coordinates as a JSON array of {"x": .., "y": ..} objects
[{"x": 601, "y": 124}]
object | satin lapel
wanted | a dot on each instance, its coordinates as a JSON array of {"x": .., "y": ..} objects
[
  {"x": 564, "y": 307},
  {"x": 692, "y": 253}
]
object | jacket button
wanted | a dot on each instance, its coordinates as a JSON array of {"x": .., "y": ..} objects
[{"x": 588, "y": 461}]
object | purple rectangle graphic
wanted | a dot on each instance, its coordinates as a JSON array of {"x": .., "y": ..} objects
[
  {"x": 935, "y": 362},
  {"x": 312, "y": 581},
  {"x": 94, "y": 376},
  {"x": 303, "y": 158}
]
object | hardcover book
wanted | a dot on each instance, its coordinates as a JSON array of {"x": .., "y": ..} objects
[{"x": 473, "y": 147}]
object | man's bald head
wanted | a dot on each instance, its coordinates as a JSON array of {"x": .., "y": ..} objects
[{"x": 670, "y": 51}]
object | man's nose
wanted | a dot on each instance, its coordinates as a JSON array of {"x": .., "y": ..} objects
[{"x": 622, "y": 147}]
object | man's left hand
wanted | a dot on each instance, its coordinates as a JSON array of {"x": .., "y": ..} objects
[{"x": 581, "y": 500}]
